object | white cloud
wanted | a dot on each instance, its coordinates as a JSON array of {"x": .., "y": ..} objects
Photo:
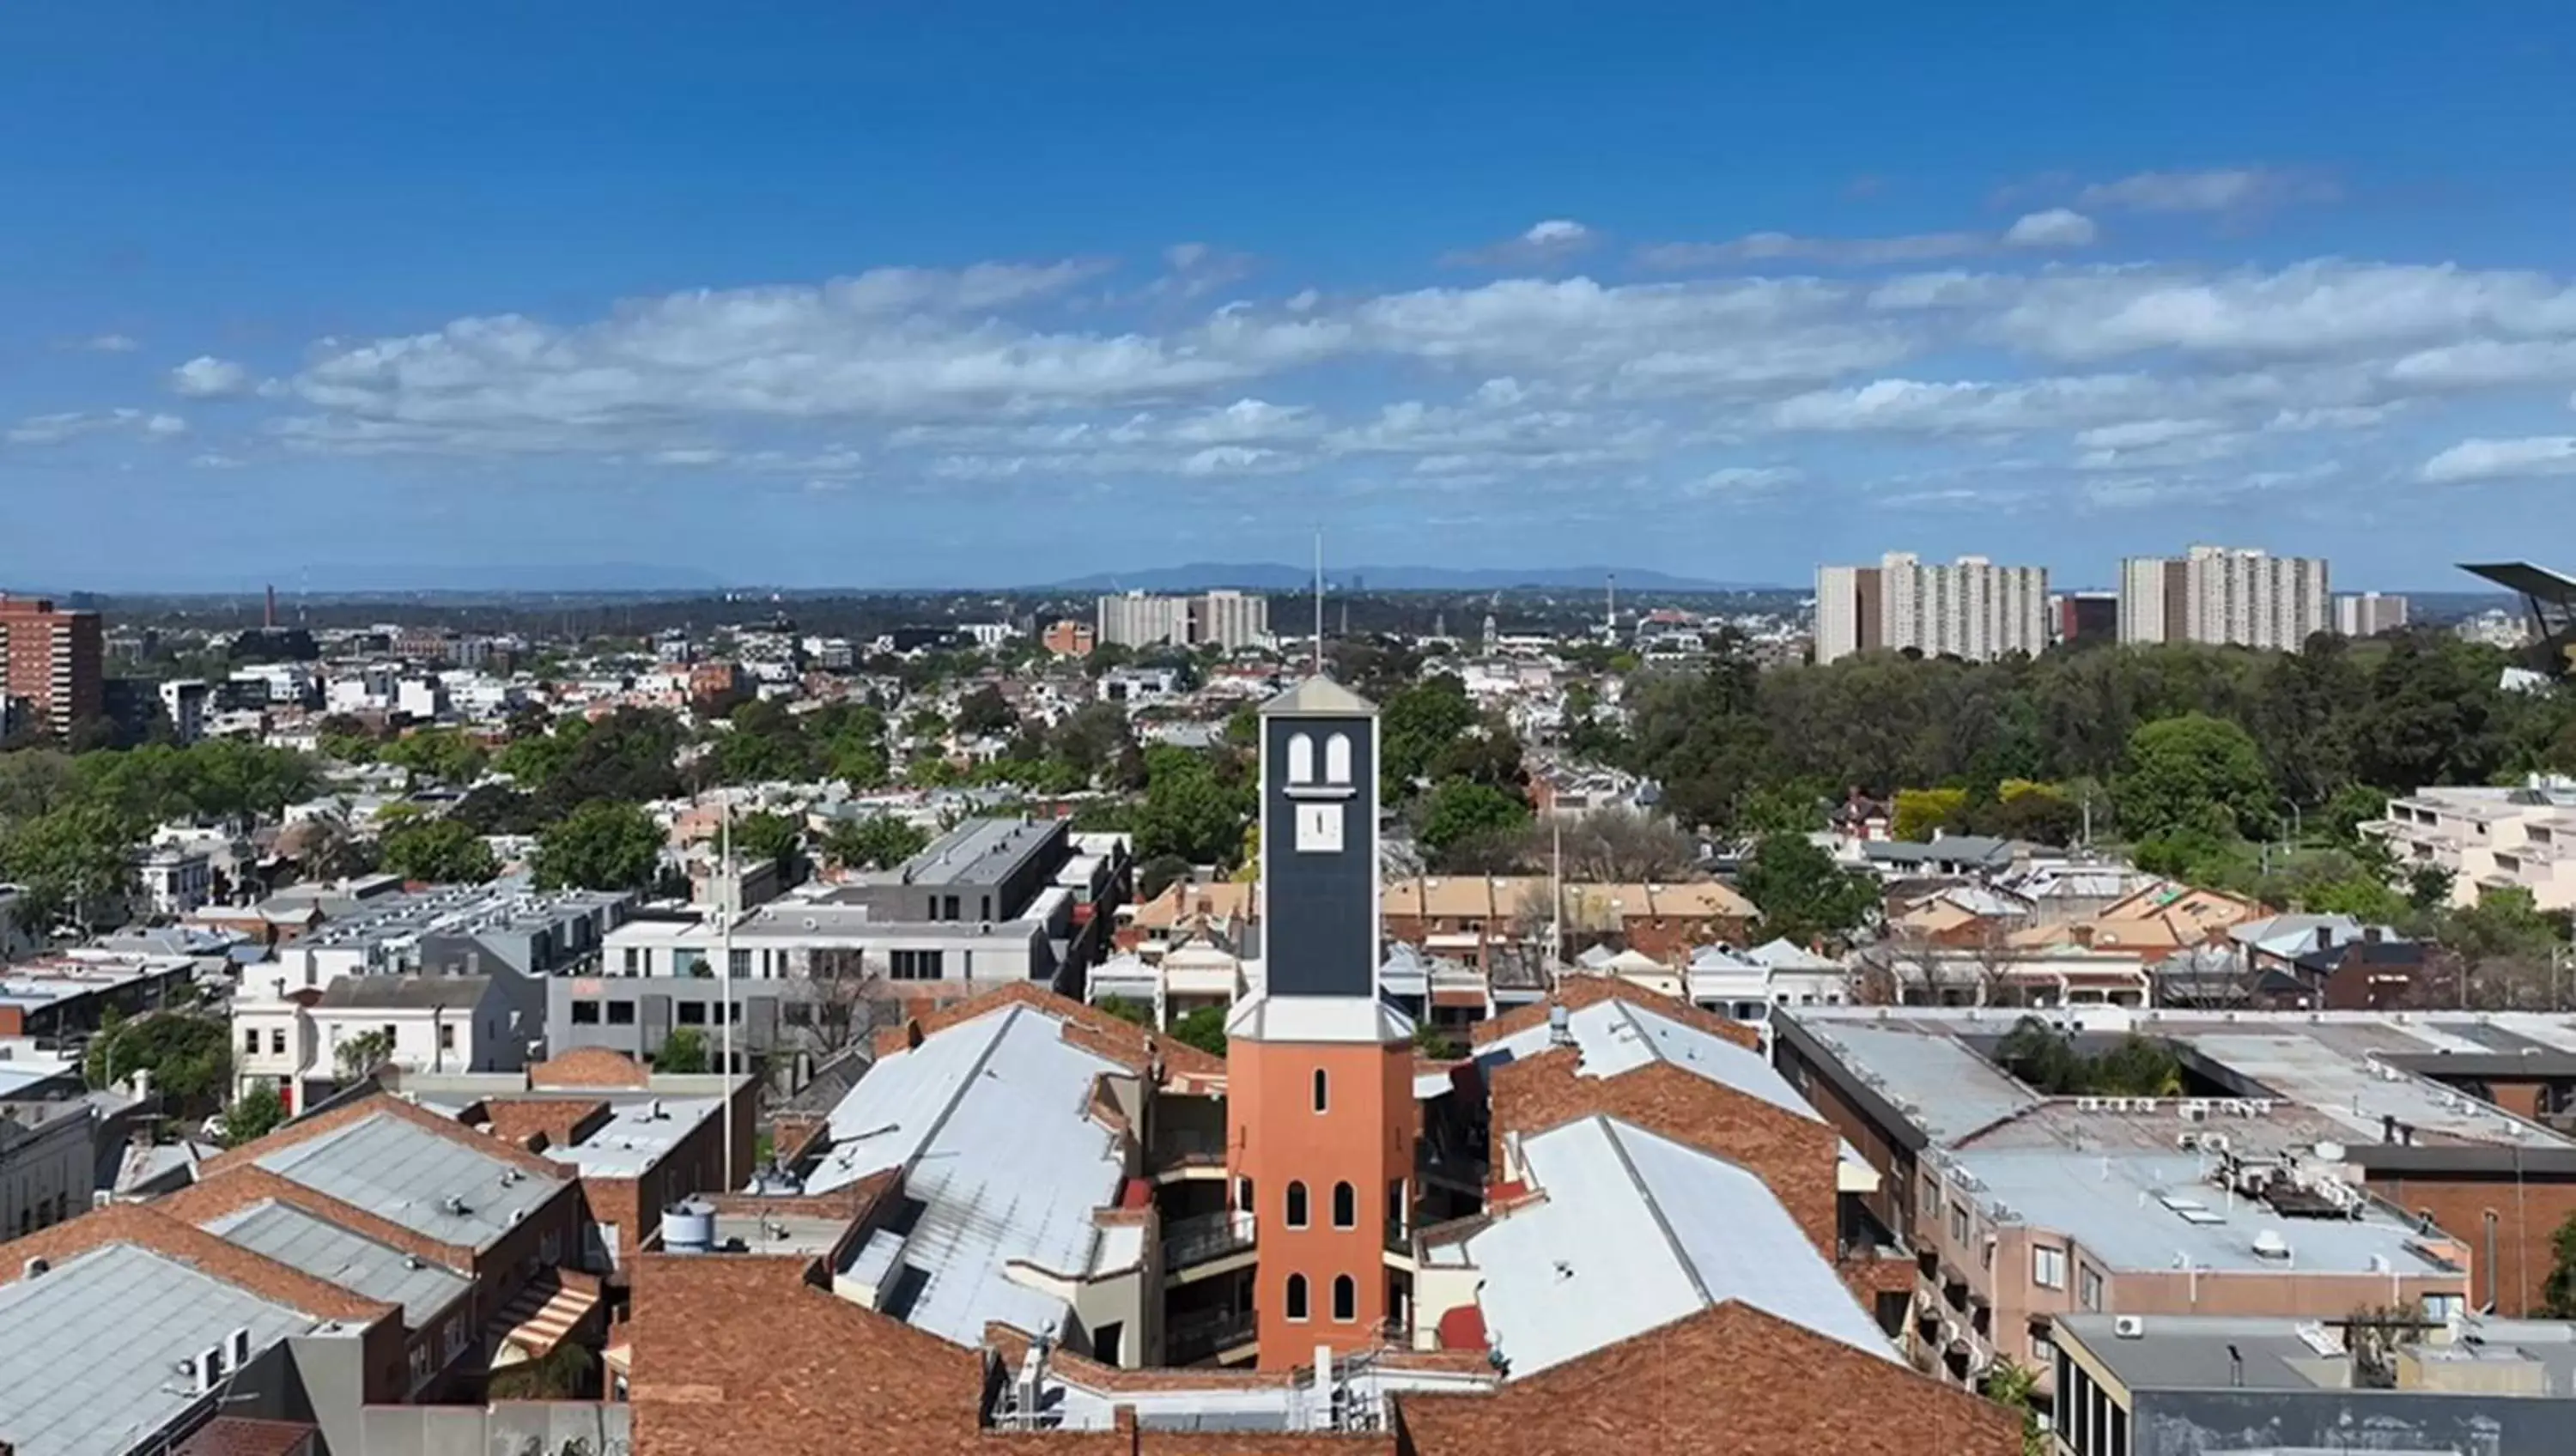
[
  {"x": 2321, "y": 307},
  {"x": 2486, "y": 364},
  {"x": 56, "y": 429},
  {"x": 1743, "y": 482},
  {"x": 207, "y": 377},
  {"x": 108, "y": 344},
  {"x": 2216, "y": 189},
  {"x": 2058, "y": 227},
  {"x": 2480, "y": 459},
  {"x": 1787, "y": 247},
  {"x": 1550, "y": 241},
  {"x": 215, "y": 461}
]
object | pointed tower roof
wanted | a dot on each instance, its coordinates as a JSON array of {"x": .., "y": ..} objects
[{"x": 1319, "y": 697}]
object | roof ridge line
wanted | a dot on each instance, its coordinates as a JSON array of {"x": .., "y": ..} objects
[{"x": 1646, "y": 1195}]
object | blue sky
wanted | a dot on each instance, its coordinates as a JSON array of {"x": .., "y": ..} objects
[{"x": 910, "y": 294}]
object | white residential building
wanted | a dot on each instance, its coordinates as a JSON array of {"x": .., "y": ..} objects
[
  {"x": 1233, "y": 620},
  {"x": 1226, "y": 619},
  {"x": 1971, "y": 608},
  {"x": 175, "y": 879},
  {"x": 2489, "y": 838},
  {"x": 2224, "y": 596},
  {"x": 290, "y": 1039}
]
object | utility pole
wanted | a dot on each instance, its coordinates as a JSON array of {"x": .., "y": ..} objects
[{"x": 728, "y": 890}]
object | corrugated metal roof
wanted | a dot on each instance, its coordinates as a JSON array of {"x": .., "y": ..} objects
[
  {"x": 335, "y": 1255},
  {"x": 1637, "y": 1231},
  {"x": 989, "y": 1118},
  {"x": 90, "y": 1364},
  {"x": 404, "y": 1174}
]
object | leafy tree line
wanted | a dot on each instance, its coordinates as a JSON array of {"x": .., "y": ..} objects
[{"x": 2337, "y": 717}]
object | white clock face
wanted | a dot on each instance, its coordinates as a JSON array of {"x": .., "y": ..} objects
[{"x": 1319, "y": 828}]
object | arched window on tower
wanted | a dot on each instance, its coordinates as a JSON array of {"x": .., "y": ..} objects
[
  {"x": 1337, "y": 759},
  {"x": 1301, "y": 759},
  {"x": 1323, "y": 1090},
  {"x": 1296, "y": 1205},
  {"x": 1296, "y": 1296},
  {"x": 1346, "y": 1206},
  {"x": 1346, "y": 1299}
]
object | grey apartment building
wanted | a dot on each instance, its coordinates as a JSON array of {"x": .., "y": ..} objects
[
  {"x": 992, "y": 901},
  {"x": 1225, "y": 619}
]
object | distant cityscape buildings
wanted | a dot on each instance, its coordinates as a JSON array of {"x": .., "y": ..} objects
[
  {"x": 2224, "y": 596},
  {"x": 56, "y": 664},
  {"x": 1971, "y": 609},
  {"x": 1226, "y": 619},
  {"x": 2367, "y": 614}
]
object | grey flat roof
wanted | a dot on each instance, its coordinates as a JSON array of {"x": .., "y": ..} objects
[
  {"x": 404, "y": 1173},
  {"x": 89, "y": 1364},
  {"x": 977, "y": 852},
  {"x": 1952, "y": 1090},
  {"x": 336, "y": 1255},
  {"x": 407, "y": 993},
  {"x": 2190, "y": 1352}
]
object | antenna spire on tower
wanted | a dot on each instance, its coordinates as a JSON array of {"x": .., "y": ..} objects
[{"x": 1319, "y": 602}]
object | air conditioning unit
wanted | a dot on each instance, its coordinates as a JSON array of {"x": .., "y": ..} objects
[{"x": 2129, "y": 1326}]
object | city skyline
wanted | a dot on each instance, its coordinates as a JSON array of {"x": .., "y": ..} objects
[{"x": 814, "y": 301}]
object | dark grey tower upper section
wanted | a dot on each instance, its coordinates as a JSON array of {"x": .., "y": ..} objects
[{"x": 1319, "y": 842}]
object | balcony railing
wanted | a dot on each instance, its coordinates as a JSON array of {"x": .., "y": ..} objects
[
  {"x": 1209, "y": 1236},
  {"x": 1190, "y": 1338},
  {"x": 1178, "y": 1146}
]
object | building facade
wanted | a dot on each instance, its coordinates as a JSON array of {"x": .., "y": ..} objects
[
  {"x": 2367, "y": 614},
  {"x": 1227, "y": 619},
  {"x": 56, "y": 661},
  {"x": 2224, "y": 596},
  {"x": 1970, "y": 609}
]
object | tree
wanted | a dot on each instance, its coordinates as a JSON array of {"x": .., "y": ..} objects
[
  {"x": 2194, "y": 773},
  {"x": 772, "y": 837},
  {"x": 2015, "y": 1387},
  {"x": 1416, "y": 725},
  {"x": 1613, "y": 846},
  {"x": 1922, "y": 813},
  {"x": 683, "y": 1052},
  {"x": 1187, "y": 812},
  {"x": 877, "y": 842},
  {"x": 443, "y": 755},
  {"x": 1204, "y": 1029},
  {"x": 1803, "y": 895},
  {"x": 600, "y": 846},
  {"x": 1129, "y": 1009},
  {"x": 1160, "y": 873},
  {"x": 439, "y": 852},
  {"x": 189, "y": 1057},
  {"x": 1460, "y": 810},
  {"x": 361, "y": 1054},
  {"x": 985, "y": 712},
  {"x": 2558, "y": 1291},
  {"x": 73, "y": 858},
  {"x": 564, "y": 1373},
  {"x": 253, "y": 1115}
]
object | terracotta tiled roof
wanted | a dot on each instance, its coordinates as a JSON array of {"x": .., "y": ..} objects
[
  {"x": 1089, "y": 1027},
  {"x": 590, "y": 1067},
  {"x": 242, "y": 1436}
]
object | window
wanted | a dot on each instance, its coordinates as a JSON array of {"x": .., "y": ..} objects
[
  {"x": 1337, "y": 759},
  {"x": 691, "y": 1013},
  {"x": 452, "y": 1343},
  {"x": 1296, "y": 1205},
  {"x": 947, "y": 907},
  {"x": 1322, "y": 1089},
  {"x": 585, "y": 1013},
  {"x": 420, "y": 1366},
  {"x": 250, "y": 1042},
  {"x": 550, "y": 1249},
  {"x": 634, "y": 962},
  {"x": 1105, "y": 1341},
  {"x": 1931, "y": 1199},
  {"x": 2043, "y": 1350},
  {"x": 2048, "y": 1267},
  {"x": 984, "y": 907},
  {"x": 277, "y": 1041},
  {"x": 1301, "y": 759},
  {"x": 740, "y": 960},
  {"x": 914, "y": 965},
  {"x": 1346, "y": 1298},
  {"x": 446, "y": 1037},
  {"x": 1346, "y": 1206},
  {"x": 1958, "y": 1223},
  {"x": 1243, "y": 1195},
  {"x": 2089, "y": 1287},
  {"x": 690, "y": 962},
  {"x": 797, "y": 1013},
  {"x": 1296, "y": 1296},
  {"x": 621, "y": 1013}
]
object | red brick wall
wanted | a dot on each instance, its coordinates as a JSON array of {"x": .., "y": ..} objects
[{"x": 2528, "y": 1214}]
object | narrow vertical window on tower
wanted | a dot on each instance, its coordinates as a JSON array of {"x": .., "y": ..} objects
[
  {"x": 1296, "y": 1205},
  {"x": 1322, "y": 1090},
  {"x": 1346, "y": 1299},
  {"x": 1301, "y": 759},
  {"x": 1346, "y": 1206},
  {"x": 1296, "y": 1296},
  {"x": 1337, "y": 759}
]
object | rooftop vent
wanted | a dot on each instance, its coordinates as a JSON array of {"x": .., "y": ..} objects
[{"x": 2270, "y": 1245}]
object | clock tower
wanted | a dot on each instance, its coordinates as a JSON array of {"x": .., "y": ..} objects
[{"x": 1319, "y": 1078}]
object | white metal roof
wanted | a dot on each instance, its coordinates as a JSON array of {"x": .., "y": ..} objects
[
  {"x": 640, "y": 1132},
  {"x": 989, "y": 1118},
  {"x": 90, "y": 1362},
  {"x": 405, "y": 1174},
  {"x": 1637, "y": 1231}
]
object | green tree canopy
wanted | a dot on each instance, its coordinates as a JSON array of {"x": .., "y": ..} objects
[
  {"x": 1187, "y": 811},
  {"x": 877, "y": 842},
  {"x": 772, "y": 837},
  {"x": 2194, "y": 773},
  {"x": 439, "y": 852},
  {"x": 1803, "y": 895},
  {"x": 684, "y": 1052},
  {"x": 189, "y": 1057},
  {"x": 440, "y": 755},
  {"x": 1463, "y": 809},
  {"x": 601, "y": 845},
  {"x": 253, "y": 1115}
]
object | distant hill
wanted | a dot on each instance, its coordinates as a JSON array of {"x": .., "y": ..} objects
[{"x": 1273, "y": 577}]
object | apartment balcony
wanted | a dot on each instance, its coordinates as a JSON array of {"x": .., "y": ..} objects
[
  {"x": 1183, "y": 1150},
  {"x": 1212, "y": 1335},
  {"x": 1206, "y": 1245}
]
